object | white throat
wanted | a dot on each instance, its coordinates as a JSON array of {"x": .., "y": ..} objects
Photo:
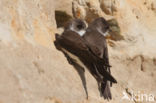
[
  {"x": 80, "y": 32},
  {"x": 104, "y": 34}
]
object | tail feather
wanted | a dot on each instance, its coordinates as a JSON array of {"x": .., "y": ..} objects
[
  {"x": 109, "y": 77},
  {"x": 105, "y": 90},
  {"x": 104, "y": 73}
]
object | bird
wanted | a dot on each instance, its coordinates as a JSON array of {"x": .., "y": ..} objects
[
  {"x": 76, "y": 25},
  {"x": 74, "y": 44},
  {"x": 95, "y": 37},
  {"x": 72, "y": 31}
]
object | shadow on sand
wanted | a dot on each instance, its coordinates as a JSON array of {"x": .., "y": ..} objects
[{"x": 80, "y": 70}]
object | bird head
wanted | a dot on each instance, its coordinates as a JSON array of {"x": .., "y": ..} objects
[
  {"x": 101, "y": 25},
  {"x": 76, "y": 25}
]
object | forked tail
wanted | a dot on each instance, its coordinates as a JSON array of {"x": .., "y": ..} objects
[{"x": 105, "y": 90}]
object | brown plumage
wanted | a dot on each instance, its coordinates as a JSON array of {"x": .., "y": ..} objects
[
  {"x": 95, "y": 38},
  {"x": 91, "y": 50}
]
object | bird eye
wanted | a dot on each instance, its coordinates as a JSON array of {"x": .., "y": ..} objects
[
  {"x": 79, "y": 26},
  {"x": 107, "y": 27}
]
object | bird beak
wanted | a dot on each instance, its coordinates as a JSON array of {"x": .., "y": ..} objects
[{"x": 108, "y": 33}]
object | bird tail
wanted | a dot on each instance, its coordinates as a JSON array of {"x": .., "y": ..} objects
[
  {"x": 105, "y": 90},
  {"x": 103, "y": 73}
]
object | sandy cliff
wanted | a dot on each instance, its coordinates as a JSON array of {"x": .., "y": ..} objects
[{"x": 33, "y": 71}]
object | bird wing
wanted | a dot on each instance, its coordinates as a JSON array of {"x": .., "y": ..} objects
[
  {"x": 71, "y": 40},
  {"x": 98, "y": 46},
  {"x": 77, "y": 46}
]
